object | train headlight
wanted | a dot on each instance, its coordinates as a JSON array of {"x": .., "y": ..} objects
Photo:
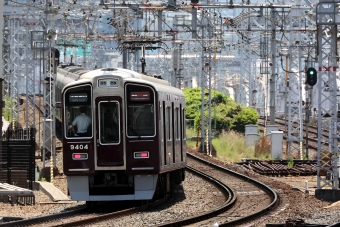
[
  {"x": 79, "y": 156},
  {"x": 141, "y": 154}
]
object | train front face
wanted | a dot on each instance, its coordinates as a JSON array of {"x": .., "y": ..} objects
[{"x": 117, "y": 158}]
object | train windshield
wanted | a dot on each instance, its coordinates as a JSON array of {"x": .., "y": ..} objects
[
  {"x": 140, "y": 111},
  {"x": 78, "y": 114},
  {"x": 109, "y": 122}
]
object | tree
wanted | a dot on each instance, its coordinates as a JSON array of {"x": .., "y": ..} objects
[{"x": 229, "y": 115}]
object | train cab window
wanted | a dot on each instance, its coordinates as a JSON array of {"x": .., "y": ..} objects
[
  {"x": 77, "y": 112},
  {"x": 109, "y": 122},
  {"x": 140, "y": 111}
]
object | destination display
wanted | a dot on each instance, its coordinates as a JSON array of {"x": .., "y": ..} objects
[
  {"x": 78, "y": 97},
  {"x": 140, "y": 96}
]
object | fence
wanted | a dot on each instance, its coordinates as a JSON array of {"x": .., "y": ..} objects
[{"x": 17, "y": 157}]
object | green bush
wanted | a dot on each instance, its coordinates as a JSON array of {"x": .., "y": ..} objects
[
  {"x": 244, "y": 117},
  {"x": 227, "y": 114},
  {"x": 7, "y": 110}
]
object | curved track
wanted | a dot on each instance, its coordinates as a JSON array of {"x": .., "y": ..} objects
[
  {"x": 43, "y": 219},
  {"x": 228, "y": 203},
  {"x": 81, "y": 217},
  {"x": 254, "y": 198},
  {"x": 245, "y": 200}
]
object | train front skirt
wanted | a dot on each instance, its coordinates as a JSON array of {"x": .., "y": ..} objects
[{"x": 143, "y": 188}]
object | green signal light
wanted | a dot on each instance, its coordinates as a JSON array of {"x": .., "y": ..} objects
[{"x": 310, "y": 78}]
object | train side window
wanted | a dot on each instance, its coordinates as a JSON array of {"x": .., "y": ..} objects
[
  {"x": 109, "y": 122},
  {"x": 173, "y": 123},
  {"x": 164, "y": 134},
  {"x": 181, "y": 126},
  {"x": 140, "y": 111},
  {"x": 178, "y": 124},
  {"x": 168, "y": 121},
  {"x": 184, "y": 124}
]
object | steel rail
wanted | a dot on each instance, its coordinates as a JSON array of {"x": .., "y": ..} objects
[
  {"x": 231, "y": 198},
  {"x": 229, "y": 193},
  {"x": 54, "y": 217},
  {"x": 42, "y": 219},
  {"x": 266, "y": 188},
  {"x": 114, "y": 214}
]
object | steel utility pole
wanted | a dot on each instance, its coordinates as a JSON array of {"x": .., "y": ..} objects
[
  {"x": 49, "y": 72},
  {"x": 272, "y": 80},
  {"x": 328, "y": 149}
]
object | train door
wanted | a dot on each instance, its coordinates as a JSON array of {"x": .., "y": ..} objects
[{"x": 109, "y": 132}]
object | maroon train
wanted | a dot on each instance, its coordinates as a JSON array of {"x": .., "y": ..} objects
[{"x": 135, "y": 147}]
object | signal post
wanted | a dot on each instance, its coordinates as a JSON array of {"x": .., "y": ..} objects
[{"x": 328, "y": 149}]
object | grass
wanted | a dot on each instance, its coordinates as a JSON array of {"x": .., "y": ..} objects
[
  {"x": 189, "y": 134},
  {"x": 263, "y": 149},
  {"x": 290, "y": 163},
  {"x": 231, "y": 146}
]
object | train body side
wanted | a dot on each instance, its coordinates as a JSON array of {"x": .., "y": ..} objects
[{"x": 136, "y": 142}]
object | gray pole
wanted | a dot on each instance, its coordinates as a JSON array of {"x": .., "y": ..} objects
[
  {"x": 194, "y": 22},
  {"x": 202, "y": 85},
  {"x": 273, "y": 76},
  {"x": 125, "y": 51},
  {"x": 180, "y": 66},
  {"x": 209, "y": 110},
  {"x": 203, "y": 102},
  {"x": 160, "y": 23},
  {"x": 84, "y": 45}
]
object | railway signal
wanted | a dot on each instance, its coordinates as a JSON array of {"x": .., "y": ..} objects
[{"x": 311, "y": 76}]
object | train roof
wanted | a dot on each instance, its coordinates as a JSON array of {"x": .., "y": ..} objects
[
  {"x": 73, "y": 75},
  {"x": 125, "y": 73}
]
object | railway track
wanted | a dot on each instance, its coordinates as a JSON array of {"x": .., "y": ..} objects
[
  {"x": 43, "y": 219},
  {"x": 310, "y": 137},
  {"x": 103, "y": 214},
  {"x": 169, "y": 224},
  {"x": 242, "y": 201},
  {"x": 227, "y": 204},
  {"x": 312, "y": 130},
  {"x": 254, "y": 198},
  {"x": 280, "y": 168},
  {"x": 38, "y": 102},
  {"x": 83, "y": 216}
]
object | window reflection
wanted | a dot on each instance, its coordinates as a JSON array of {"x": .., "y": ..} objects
[{"x": 109, "y": 122}]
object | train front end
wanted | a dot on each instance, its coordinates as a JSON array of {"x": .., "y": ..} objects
[{"x": 118, "y": 158}]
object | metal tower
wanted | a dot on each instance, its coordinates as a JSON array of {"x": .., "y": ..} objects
[
  {"x": 295, "y": 126},
  {"x": 328, "y": 149}
]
